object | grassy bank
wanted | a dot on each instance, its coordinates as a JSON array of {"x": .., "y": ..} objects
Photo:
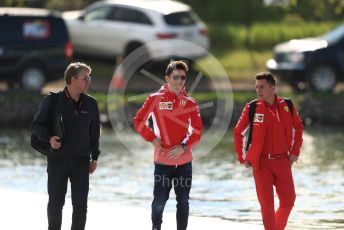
[
  {"x": 242, "y": 64},
  {"x": 225, "y": 37}
]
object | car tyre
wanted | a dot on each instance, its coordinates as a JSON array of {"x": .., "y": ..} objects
[
  {"x": 131, "y": 48},
  {"x": 32, "y": 78},
  {"x": 322, "y": 78},
  {"x": 299, "y": 86}
]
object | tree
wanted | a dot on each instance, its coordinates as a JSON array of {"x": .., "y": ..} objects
[{"x": 316, "y": 10}]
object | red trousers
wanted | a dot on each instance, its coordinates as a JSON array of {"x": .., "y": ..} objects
[{"x": 275, "y": 173}]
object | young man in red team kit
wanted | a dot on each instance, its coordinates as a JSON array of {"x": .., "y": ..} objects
[
  {"x": 273, "y": 145},
  {"x": 177, "y": 127}
]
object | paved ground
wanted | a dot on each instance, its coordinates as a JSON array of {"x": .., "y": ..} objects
[{"x": 25, "y": 210}]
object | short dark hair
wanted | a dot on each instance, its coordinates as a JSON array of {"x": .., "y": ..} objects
[
  {"x": 74, "y": 69},
  {"x": 176, "y": 65},
  {"x": 267, "y": 76}
]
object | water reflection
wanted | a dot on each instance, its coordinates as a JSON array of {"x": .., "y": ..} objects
[{"x": 221, "y": 187}]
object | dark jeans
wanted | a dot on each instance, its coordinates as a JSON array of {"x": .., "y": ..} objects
[
  {"x": 164, "y": 178},
  {"x": 59, "y": 170}
]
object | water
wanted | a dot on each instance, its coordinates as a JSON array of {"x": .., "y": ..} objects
[{"x": 221, "y": 187}]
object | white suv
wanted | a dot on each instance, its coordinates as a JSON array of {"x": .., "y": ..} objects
[{"x": 112, "y": 28}]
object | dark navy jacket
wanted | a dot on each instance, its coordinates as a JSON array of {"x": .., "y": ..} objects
[{"x": 79, "y": 125}]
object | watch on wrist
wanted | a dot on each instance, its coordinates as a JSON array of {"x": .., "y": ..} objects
[{"x": 184, "y": 146}]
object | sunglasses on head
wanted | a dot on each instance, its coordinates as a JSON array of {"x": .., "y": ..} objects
[{"x": 177, "y": 77}]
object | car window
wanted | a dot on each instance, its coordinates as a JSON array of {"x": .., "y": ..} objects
[
  {"x": 334, "y": 35},
  {"x": 129, "y": 15},
  {"x": 100, "y": 13},
  {"x": 32, "y": 29},
  {"x": 180, "y": 18}
]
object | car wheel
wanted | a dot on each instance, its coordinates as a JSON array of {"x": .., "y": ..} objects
[
  {"x": 149, "y": 64},
  {"x": 131, "y": 48},
  {"x": 32, "y": 78},
  {"x": 12, "y": 84},
  {"x": 299, "y": 86},
  {"x": 322, "y": 78}
]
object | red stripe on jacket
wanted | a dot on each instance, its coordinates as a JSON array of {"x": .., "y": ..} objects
[{"x": 174, "y": 125}]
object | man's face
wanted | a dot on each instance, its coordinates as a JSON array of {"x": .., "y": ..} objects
[
  {"x": 82, "y": 81},
  {"x": 176, "y": 80},
  {"x": 264, "y": 90}
]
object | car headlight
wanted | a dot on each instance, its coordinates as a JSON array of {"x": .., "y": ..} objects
[{"x": 295, "y": 57}]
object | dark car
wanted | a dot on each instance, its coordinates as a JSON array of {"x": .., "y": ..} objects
[
  {"x": 317, "y": 63},
  {"x": 34, "y": 47}
]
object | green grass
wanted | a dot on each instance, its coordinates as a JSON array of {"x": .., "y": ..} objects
[
  {"x": 101, "y": 99},
  {"x": 242, "y": 64},
  {"x": 239, "y": 64},
  {"x": 263, "y": 35}
]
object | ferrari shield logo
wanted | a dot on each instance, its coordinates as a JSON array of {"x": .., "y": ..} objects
[
  {"x": 258, "y": 117},
  {"x": 286, "y": 108},
  {"x": 166, "y": 105},
  {"x": 182, "y": 102}
]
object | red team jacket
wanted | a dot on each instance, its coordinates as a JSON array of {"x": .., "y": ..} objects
[
  {"x": 293, "y": 131},
  {"x": 176, "y": 120}
]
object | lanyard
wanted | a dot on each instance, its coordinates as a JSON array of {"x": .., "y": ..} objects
[{"x": 76, "y": 104}]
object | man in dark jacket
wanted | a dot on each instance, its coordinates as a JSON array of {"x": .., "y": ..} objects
[{"x": 75, "y": 146}]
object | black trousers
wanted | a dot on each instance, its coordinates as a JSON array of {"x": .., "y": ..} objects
[
  {"x": 166, "y": 177},
  {"x": 59, "y": 171}
]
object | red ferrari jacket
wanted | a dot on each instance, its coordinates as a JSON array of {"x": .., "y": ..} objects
[
  {"x": 293, "y": 131},
  {"x": 176, "y": 120}
]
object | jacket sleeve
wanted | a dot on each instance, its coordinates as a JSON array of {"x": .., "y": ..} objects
[
  {"x": 141, "y": 118},
  {"x": 40, "y": 122},
  {"x": 95, "y": 133},
  {"x": 240, "y": 129},
  {"x": 297, "y": 133},
  {"x": 196, "y": 127}
]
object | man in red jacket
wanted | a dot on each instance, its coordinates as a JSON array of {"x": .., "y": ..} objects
[
  {"x": 275, "y": 145},
  {"x": 177, "y": 127}
]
